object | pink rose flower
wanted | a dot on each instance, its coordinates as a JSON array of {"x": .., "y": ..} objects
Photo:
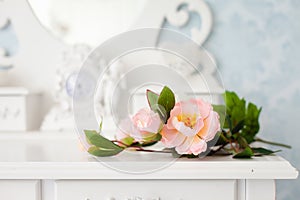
[
  {"x": 125, "y": 129},
  {"x": 191, "y": 125},
  {"x": 144, "y": 124}
]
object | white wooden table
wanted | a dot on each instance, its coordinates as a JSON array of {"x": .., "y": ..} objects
[{"x": 51, "y": 166}]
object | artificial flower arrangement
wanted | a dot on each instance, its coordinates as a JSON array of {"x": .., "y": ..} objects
[{"x": 187, "y": 128}]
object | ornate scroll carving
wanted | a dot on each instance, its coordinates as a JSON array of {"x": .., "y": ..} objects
[
  {"x": 179, "y": 17},
  {"x": 5, "y": 60}
]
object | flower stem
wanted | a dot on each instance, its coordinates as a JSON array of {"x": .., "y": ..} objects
[
  {"x": 232, "y": 147},
  {"x": 149, "y": 150},
  {"x": 117, "y": 141},
  {"x": 212, "y": 152},
  {"x": 273, "y": 143},
  {"x": 138, "y": 148}
]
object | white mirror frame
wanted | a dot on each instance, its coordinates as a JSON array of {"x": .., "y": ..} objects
[{"x": 40, "y": 53}]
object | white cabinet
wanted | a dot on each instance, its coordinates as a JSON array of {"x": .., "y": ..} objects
[
  {"x": 260, "y": 189},
  {"x": 14, "y": 106},
  {"x": 53, "y": 167},
  {"x": 20, "y": 189},
  {"x": 239, "y": 189},
  {"x": 137, "y": 189},
  {"x": 145, "y": 189}
]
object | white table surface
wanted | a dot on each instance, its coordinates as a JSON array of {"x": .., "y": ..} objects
[{"x": 60, "y": 156}]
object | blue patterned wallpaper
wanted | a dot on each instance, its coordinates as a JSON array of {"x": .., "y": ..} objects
[{"x": 257, "y": 45}]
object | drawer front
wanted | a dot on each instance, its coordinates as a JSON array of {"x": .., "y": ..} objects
[
  {"x": 12, "y": 113},
  {"x": 145, "y": 189},
  {"x": 20, "y": 189}
]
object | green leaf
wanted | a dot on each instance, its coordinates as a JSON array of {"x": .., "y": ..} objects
[
  {"x": 246, "y": 153},
  {"x": 242, "y": 142},
  {"x": 238, "y": 127},
  {"x": 251, "y": 127},
  {"x": 101, "y": 124},
  {"x": 221, "y": 139},
  {"x": 149, "y": 141},
  {"x": 272, "y": 143},
  {"x": 152, "y": 137},
  {"x": 167, "y": 100},
  {"x": 152, "y": 98},
  {"x": 235, "y": 107},
  {"x": 102, "y": 146},
  {"x": 100, "y": 152},
  {"x": 231, "y": 99},
  {"x": 262, "y": 151},
  {"x": 147, "y": 144},
  {"x": 192, "y": 156},
  {"x": 99, "y": 141},
  {"x": 221, "y": 110},
  {"x": 238, "y": 112},
  {"x": 174, "y": 153},
  {"x": 127, "y": 141},
  {"x": 229, "y": 122}
]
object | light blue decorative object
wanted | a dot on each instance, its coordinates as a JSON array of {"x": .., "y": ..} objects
[
  {"x": 2, "y": 68},
  {"x": 8, "y": 39},
  {"x": 70, "y": 84}
]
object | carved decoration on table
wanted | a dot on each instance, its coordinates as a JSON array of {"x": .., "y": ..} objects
[{"x": 9, "y": 113}]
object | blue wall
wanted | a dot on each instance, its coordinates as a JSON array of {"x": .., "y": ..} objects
[{"x": 257, "y": 45}]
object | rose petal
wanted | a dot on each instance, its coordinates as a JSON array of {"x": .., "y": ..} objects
[
  {"x": 187, "y": 131},
  {"x": 174, "y": 112},
  {"x": 211, "y": 126},
  {"x": 185, "y": 146},
  {"x": 198, "y": 146},
  {"x": 171, "y": 137},
  {"x": 125, "y": 129},
  {"x": 203, "y": 107},
  {"x": 144, "y": 123},
  {"x": 154, "y": 124}
]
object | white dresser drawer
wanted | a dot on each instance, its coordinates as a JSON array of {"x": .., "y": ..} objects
[
  {"x": 20, "y": 189},
  {"x": 19, "y": 111},
  {"x": 12, "y": 113},
  {"x": 145, "y": 189}
]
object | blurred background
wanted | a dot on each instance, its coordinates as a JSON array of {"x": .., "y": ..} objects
[{"x": 256, "y": 44}]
